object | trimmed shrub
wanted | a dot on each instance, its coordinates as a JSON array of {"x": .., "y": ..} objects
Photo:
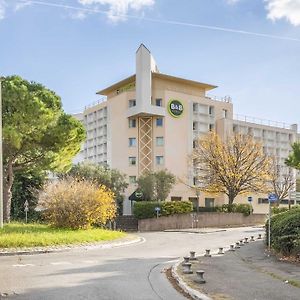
[
  {"x": 176, "y": 207},
  {"x": 236, "y": 208},
  {"x": 146, "y": 209},
  {"x": 285, "y": 232},
  {"x": 207, "y": 209},
  {"x": 245, "y": 209},
  {"x": 277, "y": 210},
  {"x": 75, "y": 204}
]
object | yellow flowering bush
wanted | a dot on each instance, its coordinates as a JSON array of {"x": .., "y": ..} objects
[{"x": 73, "y": 203}]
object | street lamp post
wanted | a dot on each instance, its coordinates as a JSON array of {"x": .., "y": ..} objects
[
  {"x": 1, "y": 158},
  {"x": 197, "y": 194}
]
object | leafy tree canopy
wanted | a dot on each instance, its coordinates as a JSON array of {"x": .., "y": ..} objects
[
  {"x": 156, "y": 185},
  {"x": 102, "y": 175},
  {"x": 25, "y": 188},
  {"x": 235, "y": 166},
  {"x": 37, "y": 133},
  {"x": 294, "y": 158}
]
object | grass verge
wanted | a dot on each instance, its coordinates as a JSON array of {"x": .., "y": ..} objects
[{"x": 17, "y": 235}]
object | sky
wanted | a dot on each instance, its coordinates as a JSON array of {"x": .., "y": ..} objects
[{"x": 250, "y": 49}]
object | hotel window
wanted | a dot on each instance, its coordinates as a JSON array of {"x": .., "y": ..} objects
[
  {"x": 158, "y": 102},
  {"x": 159, "y": 122},
  {"x": 132, "y": 102},
  {"x": 211, "y": 127},
  {"x": 159, "y": 141},
  {"x": 225, "y": 113},
  {"x": 132, "y": 160},
  {"x": 132, "y": 179},
  {"x": 209, "y": 202},
  {"x": 194, "y": 201},
  {"x": 132, "y": 142},
  {"x": 194, "y": 144},
  {"x": 195, "y": 125},
  {"x": 195, "y": 180},
  {"x": 159, "y": 160},
  {"x": 263, "y": 200},
  {"x": 211, "y": 110},
  {"x": 195, "y": 107},
  {"x": 176, "y": 198},
  {"x": 132, "y": 123}
]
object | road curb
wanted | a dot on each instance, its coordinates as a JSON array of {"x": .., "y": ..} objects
[
  {"x": 41, "y": 250},
  {"x": 193, "y": 293}
]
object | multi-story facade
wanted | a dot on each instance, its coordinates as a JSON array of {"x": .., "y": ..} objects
[{"x": 150, "y": 121}]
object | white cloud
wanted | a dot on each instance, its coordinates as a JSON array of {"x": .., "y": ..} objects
[
  {"x": 284, "y": 9},
  {"x": 2, "y": 9},
  {"x": 20, "y": 5},
  {"x": 79, "y": 15},
  {"x": 232, "y": 1},
  {"x": 119, "y": 8},
  {"x": 9, "y": 5}
]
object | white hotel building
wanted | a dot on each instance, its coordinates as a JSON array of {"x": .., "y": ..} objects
[{"x": 134, "y": 128}]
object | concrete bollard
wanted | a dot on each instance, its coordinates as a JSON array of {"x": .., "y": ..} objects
[
  {"x": 241, "y": 243},
  {"x": 186, "y": 259},
  {"x": 221, "y": 251},
  {"x": 246, "y": 241},
  {"x": 200, "y": 278},
  {"x": 187, "y": 268},
  {"x": 192, "y": 255},
  {"x": 231, "y": 248},
  {"x": 252, "y": 238},
  {"x": 207, "y": 254},
  {"x": 237, "y": 245},
  {"x": 259, "y": 236}
]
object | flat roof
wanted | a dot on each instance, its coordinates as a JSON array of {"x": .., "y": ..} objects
[
  {"x": 202, "y": 85},
  {"x": 131, "y": 78},
  {"x": 116, "y": 85}
]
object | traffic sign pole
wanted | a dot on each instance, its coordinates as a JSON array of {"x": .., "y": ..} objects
[
  {"x": 271, "y": 198},
  {"x": 157, "y": 209},
  {"x": 269, "y": 235}
]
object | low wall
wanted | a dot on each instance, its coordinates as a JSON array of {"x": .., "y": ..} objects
[{"x": 200, "y": 220}]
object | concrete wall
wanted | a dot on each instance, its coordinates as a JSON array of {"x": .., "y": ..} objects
[{"x": 200, "y": 220}]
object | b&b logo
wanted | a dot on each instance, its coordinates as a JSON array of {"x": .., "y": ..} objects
[{"x": 175, "y": 108}]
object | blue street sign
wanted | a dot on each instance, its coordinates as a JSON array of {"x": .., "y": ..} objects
[
  {"x": 250, "y": 199},
  {"x": 157, "y": 209},
  {"x": 272, "y": 197}
]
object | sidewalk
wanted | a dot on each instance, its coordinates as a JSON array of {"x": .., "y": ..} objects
[{"x": 248, "y": 274}]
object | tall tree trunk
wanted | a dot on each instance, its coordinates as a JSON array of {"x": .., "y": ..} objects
[
  {"x": 7, "y": 194},
  {"x": 231, "y": 198}
]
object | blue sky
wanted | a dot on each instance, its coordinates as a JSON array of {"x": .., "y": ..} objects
[{"x": 77, "y": 52}]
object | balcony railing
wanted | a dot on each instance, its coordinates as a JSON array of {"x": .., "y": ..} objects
[
  {"x": 101, "y": 100},
  {"x": 259, "y": 121},
  {"x": 226, "y": 99}
]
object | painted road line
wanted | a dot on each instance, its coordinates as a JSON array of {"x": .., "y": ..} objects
[
  {"x": 23, "y": 265},
  {"x": 89, "y": 261},
  {"x": 60, "y": 263}
]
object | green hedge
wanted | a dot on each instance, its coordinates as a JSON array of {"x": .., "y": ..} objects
[
  {"x": 236, "y": 208},
  {"x": 146, "y": 209},
  {"x": 277, "y": 210},
  {"x": 207, "y": 209},
  {"x": 285, "y": 232},
  {"x": 176, "y": 207}
]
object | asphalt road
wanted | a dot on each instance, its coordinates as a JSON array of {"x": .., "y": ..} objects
[{"x": 127, "y": 272}]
